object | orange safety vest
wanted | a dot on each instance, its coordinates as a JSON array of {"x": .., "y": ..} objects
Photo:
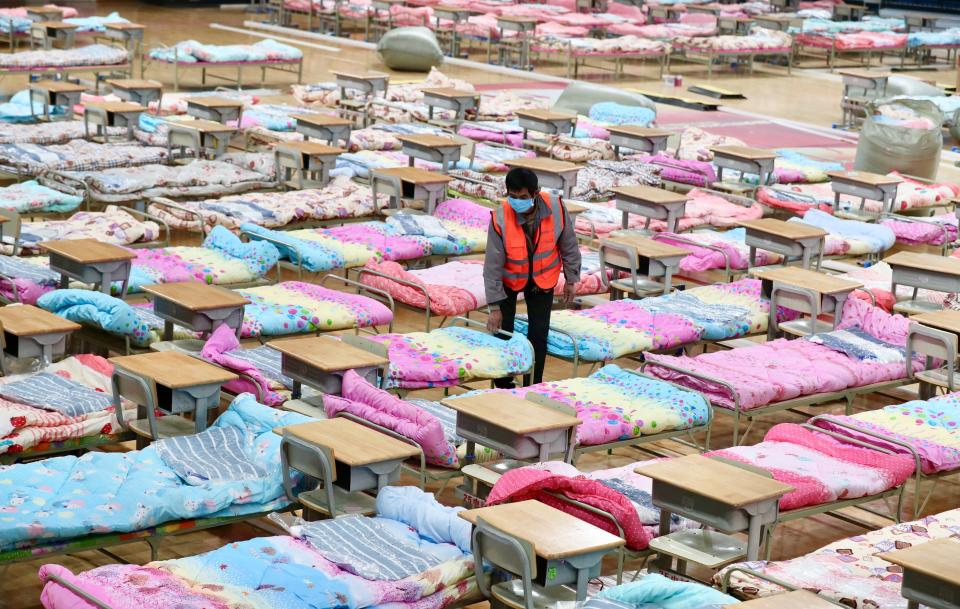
[{"x": 546, "y": 258}]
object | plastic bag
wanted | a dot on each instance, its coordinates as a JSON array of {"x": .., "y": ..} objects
[
  {"x": 414, "y": 49},
  {"x": 885, "y": 147}
]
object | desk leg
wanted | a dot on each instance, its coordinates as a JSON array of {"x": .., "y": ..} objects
[
  {"x": 755, "y": 532},
  {"x": 64, "y": 281},
  {"x": 46, "y": 356},
  {"x": 167, "y": 330},
  {"x": 583, "y": 580},
  {"x": 805, "y": 257},
  {"x": 839, "y": 299},
  {"x": 471, "y": 453},
  {"x": 753, "y": 255},
  {"x": 297, "y": 390},
  {"x": 625, "y": 222}
]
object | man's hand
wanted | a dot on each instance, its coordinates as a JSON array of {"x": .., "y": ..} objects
[
  {"x": 494, "y": 319},
  {"x": 569, "y": 291}
]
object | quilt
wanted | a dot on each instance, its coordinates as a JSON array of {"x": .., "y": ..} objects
[{"x": 31, "y": 196}]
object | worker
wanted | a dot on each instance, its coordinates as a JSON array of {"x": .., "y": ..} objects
[{"x": 529, "y": 240}]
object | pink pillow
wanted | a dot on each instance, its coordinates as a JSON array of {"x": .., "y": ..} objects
[{"x": 363, "y": 400}]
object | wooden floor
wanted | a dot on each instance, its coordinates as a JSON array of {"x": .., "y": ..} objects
[{"x": 809, "y": 98}]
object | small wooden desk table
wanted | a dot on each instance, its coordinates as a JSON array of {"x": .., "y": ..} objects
[
  {"x": 931, "y": 573},
  {"x": 651, "y": 203},
  {"x": 559, "y": 175},
  {"x": 329, "y": 129},
  {"x": 549, "y": 122},
  {"x": 805, "y": 291},
  {"x": 449, "y": 98},
  {"x": 199, "y": 136},
  {"x": 54, "y": 31},
  {"x": 433, "y": 148},
  {"x": 737, "y": 26},
  {"x": 640, "y": 139},
  {"x": 364, "y": 458},
  {"x": 90, "y": 261},
  {"x": 171, "y": 381},
  {"x": 131, "y": 34},
  {"x": 55, "y": 93},
  {"x": 137, "y": 90},
  {"x": 569, "y": 550},
  {"x": 102, "y": 115},
  {"x": 310, "y": 162},
  {"x": 410, "y": 183},
  {"x": 29, "y": 331},
  {"x": 644, "y": 259},
  {"x": 519, "y": 428},
  {"x": 928, "y": 271},
  {"x": 45, "y": 13},
  {"x": 525, "y": 28},
  {"x": 798, "y": 599},
  {"x": 196, "y": 306},
  {"x": 744, "y": 159},
  {"x": 216, "y": 109},
  {"x": 789, "y": 239},
  {"x": 368, "y": 83},
  {"x": 321, "y": 361},
  {"x": 864, "y": 185},
  {"x": 720, "y": 495}
]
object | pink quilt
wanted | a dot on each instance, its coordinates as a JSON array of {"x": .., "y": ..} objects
[
  {"x": 819, "y": 467},
  {"x": 935, "y": 230},
  {"x": 217, "y": 350},
  {"x": 784, "y": 369},
  {"x": 529, "y": 483},
  {"x": 453, "y": 288}
]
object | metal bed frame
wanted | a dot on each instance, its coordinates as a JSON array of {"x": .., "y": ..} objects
[
  {"x": 710, "y": 56},
  {"x": 289, "y": 66},
  {"x": 810, "y": 48},
  {"x": 576, "y": 59}
]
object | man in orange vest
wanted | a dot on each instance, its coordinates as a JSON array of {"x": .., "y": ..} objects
[{"x": 529, "y": 241}]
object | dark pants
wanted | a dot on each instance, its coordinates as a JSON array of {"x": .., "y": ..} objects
[{"x": 539, "y": 305}]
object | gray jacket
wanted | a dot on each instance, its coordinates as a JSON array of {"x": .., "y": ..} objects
[{"x": 496, "y": 255}]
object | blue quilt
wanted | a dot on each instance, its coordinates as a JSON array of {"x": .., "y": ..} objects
[
  {"x": 657, "y": 592},
  {"x": 69, "y": 497},
  {"x": 54, "y": 392}
]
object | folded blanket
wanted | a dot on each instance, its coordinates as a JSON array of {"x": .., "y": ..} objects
[
  {"x": 53, "y": 392},
  {"x": 30, "y": 196}
]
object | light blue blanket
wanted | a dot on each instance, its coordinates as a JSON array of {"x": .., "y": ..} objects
[
  {"x": 657, "y": 592},
  {"x": 69, "y": 497},
  {"x": 878, "y": 237}
]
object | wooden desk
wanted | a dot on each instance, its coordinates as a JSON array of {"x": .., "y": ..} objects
[
  {"x": 931, "y": 573},
  {"x": 560, "y": 175},
  {"x": 196, "y": 306},
  {"x": 644, "y": 260},
  {"x": 49, "y": 31},
  {"x": 519, "y": 428},
  {"x": 49, "y": 93},
  {"x": 789, "y": 239},
  {"x": 90, "y": 261},
  {"x": 310, "y": 162},
  {"x": 102, "y": 115},
  {"x": 798, "y": 599},
  {"x": 175, "y": 383},
  {"x": 216, "y": 109},
  {"x": 137, "y": 90},
  {"x": 201, "y": 136},
  {"x": 330, "y": 129},
  {"x": 665, "y": 13},
  {"x": 410, "y": 183},
  {"x": 717, "y": 494},
  {"x": 651, "y": 203},
  {"x": 640, "y": 139},
  {"x": 745, "y": 160},
  {"x": 549, "y": 122},
  {"x": 45, "y": 13},
  {"x": 805, "y": 291},
  {"x": 29, "y": 331},
  {"x": 321, "y": 361},
  {"x": 864, "y": 185},
  {"x": 778, "y": 22},
  {"x": 450, "y": 98},
  {"x": 367, "y": 83},
  {"x": 364, "y": 458},
  {"x": 456, "y": 15},
  {"x": 524, "y": 28},
  {"x": 569, "y": 550},
  {"x": 433, "y": 148},
  {"x": 737, "y": 26},
  {"x": 944, "y": 319},
  {"x": 848, "y": 12},
  {"x": 927, "y": 271}
]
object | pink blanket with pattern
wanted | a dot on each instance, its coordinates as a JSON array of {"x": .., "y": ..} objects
[
  {"x": 821, "y": 468},
  {"x": 785, "y": 369}
]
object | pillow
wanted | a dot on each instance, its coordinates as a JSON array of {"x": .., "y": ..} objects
[
  {"x": 362, "y": 399},
  {"x": 410, "y": 48}
]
